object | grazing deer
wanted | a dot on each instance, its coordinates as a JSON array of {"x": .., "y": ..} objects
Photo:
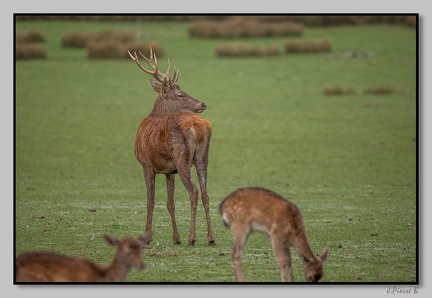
[
  {"x": 249, "y": 210},
  {"x": 51, "y": 267},
  {"x": 170, "y": 141}
]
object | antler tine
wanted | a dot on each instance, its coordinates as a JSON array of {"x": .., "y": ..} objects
[
  {"x": 152, "y": 61},
  {"x": 176, "y": 74},
  {"x": 154, "y": 73}
]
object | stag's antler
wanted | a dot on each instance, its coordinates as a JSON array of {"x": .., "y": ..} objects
[{"x": 152, "y": 61}]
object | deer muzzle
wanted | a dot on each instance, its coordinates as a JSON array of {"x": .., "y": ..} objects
[{"x": 201, "y": 108}]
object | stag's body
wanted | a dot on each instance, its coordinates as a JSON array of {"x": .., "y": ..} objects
[
  {"x": 248, "y": 210},
  {"x": 171, "y": 140},
  {"x": 51, "y": 267}
]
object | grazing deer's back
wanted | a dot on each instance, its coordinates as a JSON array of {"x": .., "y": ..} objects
[{"x": 261, "y": 208}]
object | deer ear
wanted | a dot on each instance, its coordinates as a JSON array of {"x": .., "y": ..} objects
[
  {"x": 324, "y": 254},
  {"x": 304, "y": 258},
  {"x": 110, "y": 240},
  {"x": 156, "y": 86}
]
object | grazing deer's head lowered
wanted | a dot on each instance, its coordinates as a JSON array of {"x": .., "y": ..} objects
[
  {"x": 252, "y": 209},
  {"x": 169, "y": 141},
  {"x": 51, "y": 267}
]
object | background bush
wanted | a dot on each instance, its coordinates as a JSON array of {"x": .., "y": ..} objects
[
  {"x": 338, "y": 90},
  {"x": 80, "y": 40},
  {"x": 111, "y": 49},
  {"x": 31, "y": 36},
  {"x": 383, "y": 89},
  {"x": 242, "y": 27},
  {"x": 308, "y": 46},
  {"x": 29, "y": 45},
  {"x": 109, "y": 44},
  {"x": 30, "y": 51}
]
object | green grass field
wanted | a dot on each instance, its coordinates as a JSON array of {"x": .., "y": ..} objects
[{"x": 349, "y": 161}]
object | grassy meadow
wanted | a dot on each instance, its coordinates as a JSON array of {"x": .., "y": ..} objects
[{"x": 348, "y": 161}]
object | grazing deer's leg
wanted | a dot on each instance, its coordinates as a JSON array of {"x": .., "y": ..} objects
[
  {"x": 170, "y": 180},
  {"x": 283, "y": 258},
  {"x": 290, "y": 272},
  {"x": 241, "y": 235},
  {"x": 149, "y": 177},
  {"x": 201, "y": 167}
]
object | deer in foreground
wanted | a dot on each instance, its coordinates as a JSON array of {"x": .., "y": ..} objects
[
  {"x": 51, "y": 267},
  {"x": 251, "y": 209},
  {"x": 171, "y": 140}
]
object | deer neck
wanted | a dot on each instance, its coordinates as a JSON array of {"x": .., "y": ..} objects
[
  {"x": 160, "y": 108},
  {"x": 163, "y": 109},
  {"x": 304, "y": 250},
  {"x": 117, "y": 271}
]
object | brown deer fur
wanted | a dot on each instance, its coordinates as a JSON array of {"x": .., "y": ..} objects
[
  {"x": 171, "y": 140},
  {"x": 249, "y": 210},
  {"x": 51, "y": 267}
]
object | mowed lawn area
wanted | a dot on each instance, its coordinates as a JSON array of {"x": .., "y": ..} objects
[{"x": 348, "y": 161}]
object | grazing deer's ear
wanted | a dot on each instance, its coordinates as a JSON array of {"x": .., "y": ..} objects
[
  {"x": 110, "y": 240},
  {"x": 156, "y": 86},
  {"x": 324, "y": 254},
  {"x": 304, "y": 258}
]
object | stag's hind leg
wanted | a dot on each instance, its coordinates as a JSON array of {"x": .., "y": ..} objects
[
  {"x": 170, "y": 181},
  {"x": 201, "y": 165},
  {"x": 202, "y": 179},
  {"x": 186, "y": 178}
]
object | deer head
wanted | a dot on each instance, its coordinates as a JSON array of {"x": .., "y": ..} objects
[
  {"x": 313, "y": 269},
  {"x": 129, "y": 249},
  {"x": 171, "y": 98}
]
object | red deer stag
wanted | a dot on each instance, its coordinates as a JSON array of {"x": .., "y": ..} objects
[
  {"x": 51, "y": 267},
  {"x": 171, "y": 140},
  {"x": 249, "y": 210}
]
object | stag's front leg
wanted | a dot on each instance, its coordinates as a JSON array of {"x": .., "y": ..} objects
[
  {"x": 170, "y": 180},
  {"x": 149, "y": 177},
  {"x": 201, "y": 165}
]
